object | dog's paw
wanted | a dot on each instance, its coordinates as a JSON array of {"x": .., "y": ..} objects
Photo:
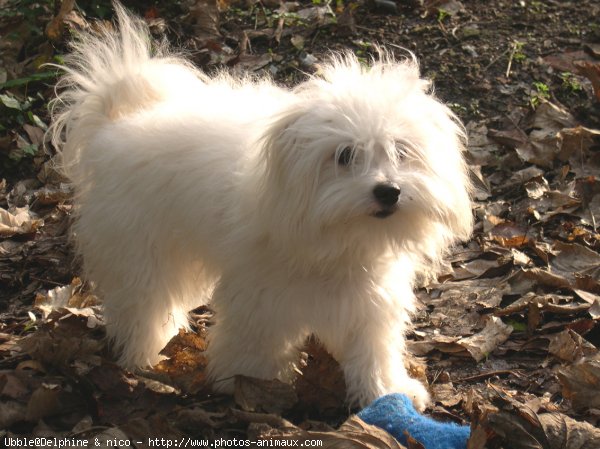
[{"x": 417, "y": 392}]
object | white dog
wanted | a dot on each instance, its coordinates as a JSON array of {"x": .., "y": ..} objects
[{"x": 293, "y": 212}]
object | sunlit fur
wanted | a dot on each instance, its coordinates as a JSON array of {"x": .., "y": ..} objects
[{"x": 194, "y": 189}]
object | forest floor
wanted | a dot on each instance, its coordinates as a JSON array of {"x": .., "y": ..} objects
[{"x": 507, "y": 339}]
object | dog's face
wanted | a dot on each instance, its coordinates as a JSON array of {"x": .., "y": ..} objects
[{"x": 370, "y": 155}]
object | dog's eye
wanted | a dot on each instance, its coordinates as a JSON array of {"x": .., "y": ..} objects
[
  {"x": 345, "y": 157},
  {"x": 401, "y": 150}
]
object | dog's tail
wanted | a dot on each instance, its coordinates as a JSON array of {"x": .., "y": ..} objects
[{"x": 108, "y": 74}]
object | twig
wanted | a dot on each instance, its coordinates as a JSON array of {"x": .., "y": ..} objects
[
  {"x": 48, "y": 281},
  {"x": 493, "y": 61},
  {"x": 510, "y": 58},
  {"x": 489, "y": 374}
]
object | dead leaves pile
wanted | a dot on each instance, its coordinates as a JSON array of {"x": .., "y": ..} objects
[{"x": 522, "y": 299}]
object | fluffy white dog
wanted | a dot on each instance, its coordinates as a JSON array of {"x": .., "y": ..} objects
[{"x": 293, "y": 212}]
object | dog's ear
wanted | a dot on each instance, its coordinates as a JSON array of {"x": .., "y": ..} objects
[
  {"x": 289, "y": 174},
  {"x": 455, "y": 171},
  {"x": 285, "y": 144}
]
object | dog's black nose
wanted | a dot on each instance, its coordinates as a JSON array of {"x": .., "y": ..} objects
[{"x": 386, "y": 194}]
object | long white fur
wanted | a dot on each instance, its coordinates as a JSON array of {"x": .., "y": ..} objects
[{"x": 195, "y": 189}]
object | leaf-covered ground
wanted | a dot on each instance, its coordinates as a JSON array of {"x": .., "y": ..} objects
[{"x": 509, "y": 333}]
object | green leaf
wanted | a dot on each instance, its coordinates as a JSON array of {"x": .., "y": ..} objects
[
  {"x": 517, "y": 325},
  {"x": 10, "y": 102},
  {"x": 30, "y": 150},
  {"x": 37, "y": 121},
  {"x": 41, "y": 76}
]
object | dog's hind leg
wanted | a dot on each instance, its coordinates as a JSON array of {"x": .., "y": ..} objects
[
  {"x": 140, "y": 328},
  {"x": 147, "y": 291}
]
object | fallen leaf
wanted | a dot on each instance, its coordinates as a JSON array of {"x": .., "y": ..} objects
[
  {"x": 321, "y": 386},
  {"x": 510, "y": 424},
  {"x": 50, "y": 195},
  {"x": 12, "y": 412},
  {"x": 590, "y": 70},
  {"x": 62, "y": 339},
  {"x": 581, "y": 383},
  {"x": 54, "y": 30},
  {"x": 18, "y": 220},
  {"x": 352, "y": 434},
  {"x": 570, "y": 346},
  {"x": 271, "y": 396},
  {"x": 205, "y": 14},
  {"x": 509, "y": 235},
  {"x": 574, "y": 142},
  {"x": 573, "y": 259},
  {"x": 564, "y": 432},
  {"x": 483, "y": 343},
  {"x": 186, "y": 362}
]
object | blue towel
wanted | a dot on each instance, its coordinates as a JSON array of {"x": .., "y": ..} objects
[{"x": 395, "y": 414}]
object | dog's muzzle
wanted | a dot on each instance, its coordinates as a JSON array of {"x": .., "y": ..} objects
[{"x": 386, "y": 196}]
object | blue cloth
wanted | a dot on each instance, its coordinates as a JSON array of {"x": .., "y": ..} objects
[{"x": 395, "y": 414}]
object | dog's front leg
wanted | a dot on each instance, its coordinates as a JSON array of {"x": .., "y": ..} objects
[
  {"x": 374, "y": 367},
  {"x": 371, "y": 355}
]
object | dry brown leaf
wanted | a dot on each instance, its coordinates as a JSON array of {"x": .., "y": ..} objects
[
  {"x": 581, "y": 383},
  {"x": 55, "y": 28},
  {"x": 570, "y": 346},
  {"x": 564, "y": 432},
  {"x": 532, "y": 302},
  {"x": 12, "y": 386},
  {"x": 483, "y": 343},
  {"x": 481, "y": 150},
  {"x": 12, "y": 412},
  {"x": 475, "y": 268},
  {"x": 536, "y": 188},
  {"x": 565, "y": 61},
  {"x": 61, "y": 340},
  {"x": 526, "y": 279},
  {"x": 205, "y": 14},
  {"x": 510, "y": 424},
  {"x": 271, "y": 396},
  {"x": 594, "y": 311},
  {"x": 58, "y": 298},
  {"x": 575, "y": 142},
  {"x": 18, "y": 220},
  {"x": 43, "y": 402},
  {"x": 446, "y": 394},
  {"x": 346, "y": 23},
  {"x": 186, "y": 361},
  {"x": 353, "y": 434},
  {"x": 590, "y": 70},
  {"x": 573, "y": 259},
  {"x": 321, "y": 386},
  {"x": 509, "y": 235},
  {"x": 550, "y": 118},
  {"x": 35, "y": 134},
  {"x": 49, "y": 195},
  {"x": 250, "y": 63},
  {"x": 364, "y": 435},
  {"x": 554, "y": 135},
  {"x": 447, "y": 345},
  {"x": 185, "y": 341}
]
